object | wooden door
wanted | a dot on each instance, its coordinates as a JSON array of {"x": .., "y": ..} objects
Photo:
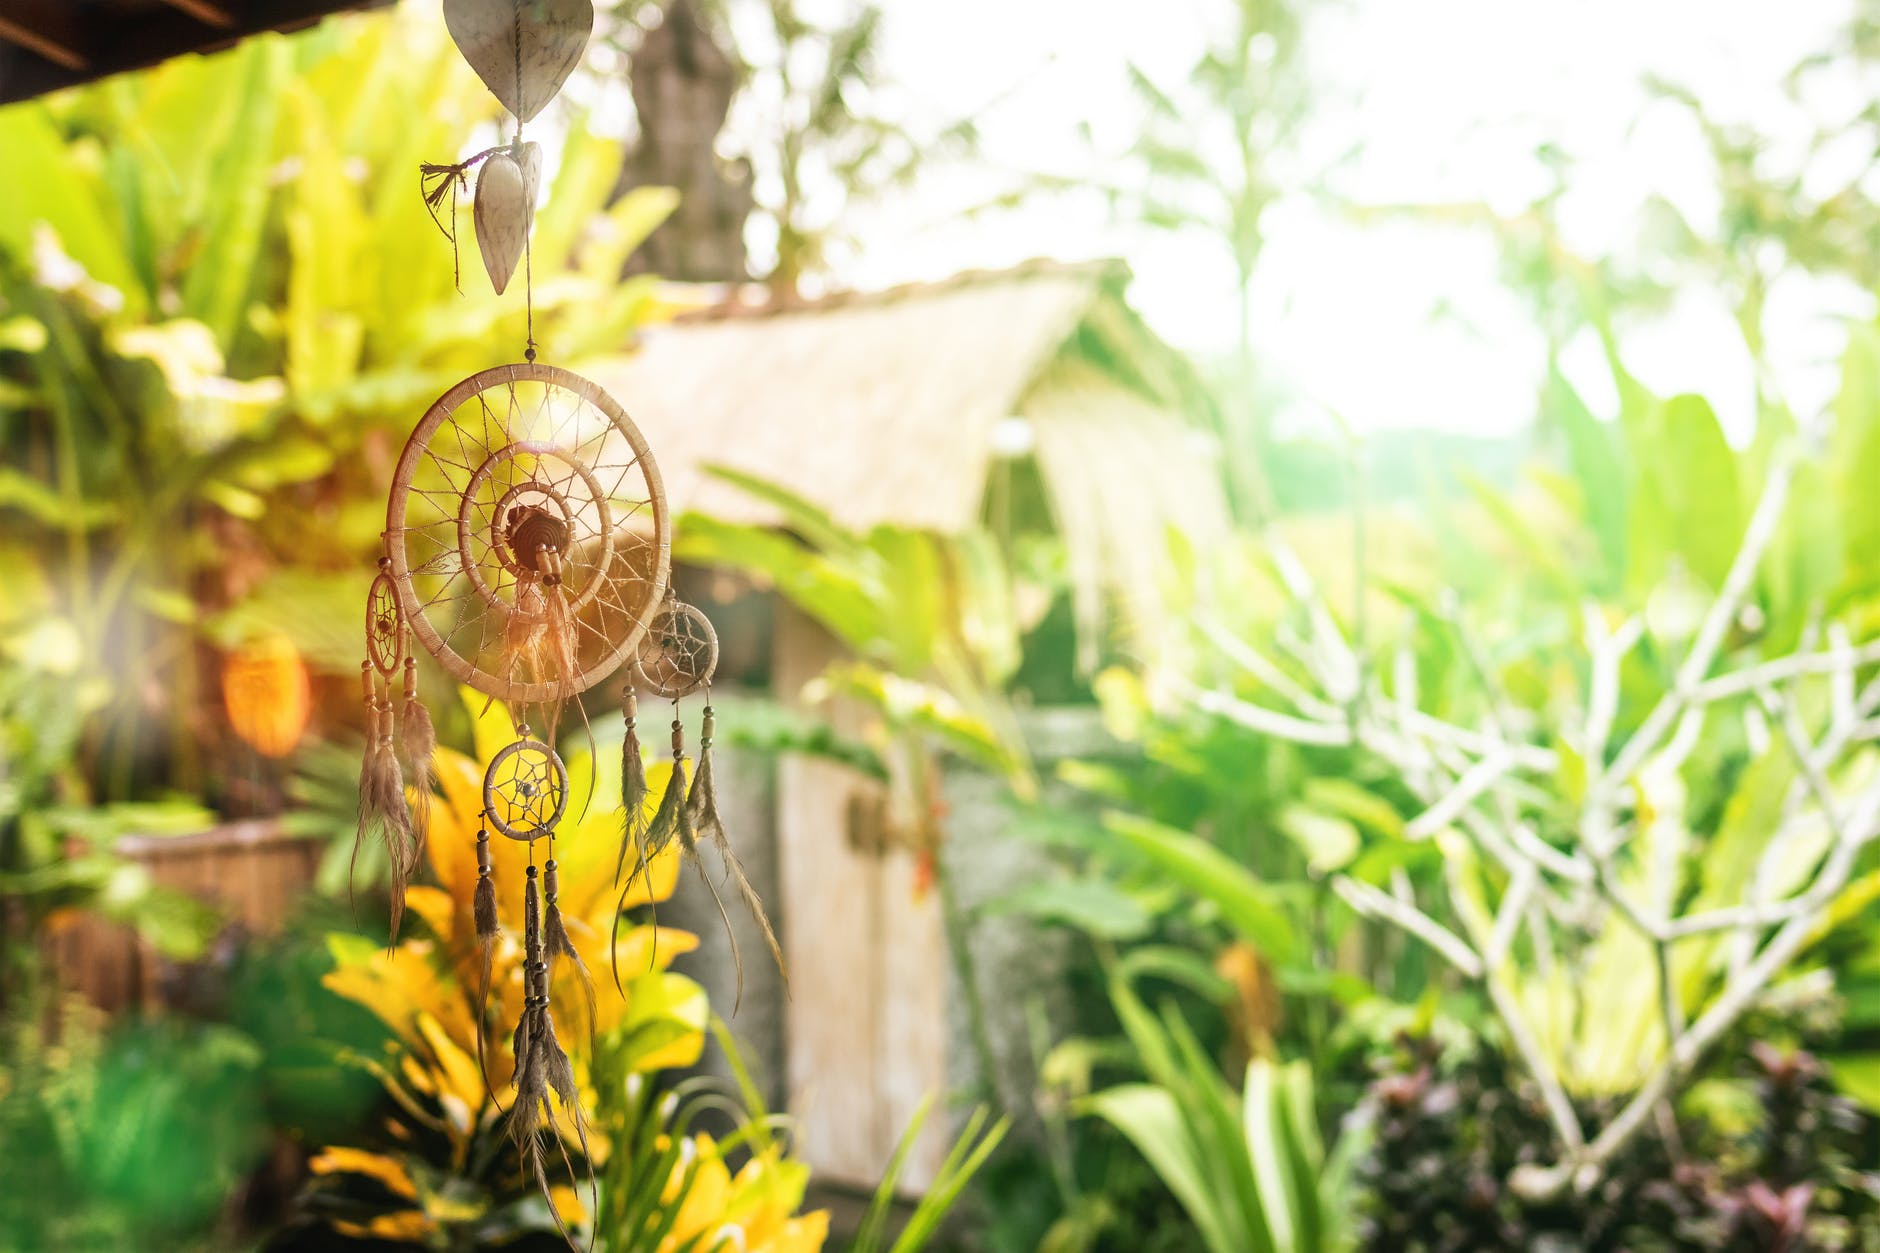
[{"x": 866, "y": 1026}]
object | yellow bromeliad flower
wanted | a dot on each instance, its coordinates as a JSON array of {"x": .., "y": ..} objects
[
  {"x": 449, "y": 1177},
  {"x": 455, "y": 1170},
  {"x": 755, "y": 1210}
]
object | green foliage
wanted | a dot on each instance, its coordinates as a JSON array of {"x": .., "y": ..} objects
[
  {"x": 927, "y": 618},
  {"x": 1634, "y": 514},
  {"x": 133, "y": 1138},
  {"x": 222, "y": 285},
  {"x": 1249, "y": 907},
  {"x": 220, "y": 294},
  {"x": 1249, "y": 1166},
  {"x": 669, "y": 1188},
  {"x": 975, "y": 1144}
]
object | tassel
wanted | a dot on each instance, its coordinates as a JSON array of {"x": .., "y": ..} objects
[
  {"x": 382, "y": 797},
  {"x": 484, "y": 909},
  {"x": 701, "y": 806},
  {"x": 542, "y": 1065},
  {"x": 668, "y": 821},
  {"x": 559, "y": 945},
  {"x": 671, "y": 819},
  {"x": 419, "y": 740},
  {"x": 632, "y": 788},
  {"x": 368, "y": 766},
  {"x": 440, "y": 179},
  {"x": 702, "y": 811},
  {"x": 395, "y": 817}
]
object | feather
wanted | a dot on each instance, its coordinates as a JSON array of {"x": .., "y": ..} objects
[
  {"x": 688, "y": 844},
  {"x": 701, "y": 804},
  {"x": 484, "y": 909},
  {"x": 670, "y": 817},
  {"x": 542, "y": 1065},
  {"x": 555, "y": 935},
  {"x": 382, "y": 802},
  {"x": 702, "y": 809},
  {"x": 633, "y": 827},
  {"x": 667, "y": 823},
  {"x": 419, "y": 740},
  {"x": 632, "y": 788}
]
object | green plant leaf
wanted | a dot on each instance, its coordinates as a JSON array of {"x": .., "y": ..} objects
[
  {"x": 1858, "y": 1075},
  {"x": 1593, "y": 450},
  {"x": 1152, "y": 1121},
  {"x": 1328, "y": 841},
  {"x": 1246, "y": 904},
  {"x": 1089, "y": 904},
  {"x": 1274, "y": 1157}
]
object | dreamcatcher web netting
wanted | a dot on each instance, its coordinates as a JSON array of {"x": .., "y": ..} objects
[{"x": 528, "y": 533}]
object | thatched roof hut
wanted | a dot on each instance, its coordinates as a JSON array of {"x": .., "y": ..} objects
[
  {"x": 934, "y": 406},
  {"x": 897, "y": 407}
]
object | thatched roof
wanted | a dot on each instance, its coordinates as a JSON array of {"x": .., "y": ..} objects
[{"x": 882, "y": 408}]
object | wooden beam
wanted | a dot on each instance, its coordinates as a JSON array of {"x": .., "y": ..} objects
[
  {"x": 47, "y": 27},
  {"x": 139, "y": 37},
  {"x": 219, "y": 13}
]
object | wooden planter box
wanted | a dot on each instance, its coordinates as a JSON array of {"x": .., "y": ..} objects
[{"x": 251, "y": 872}]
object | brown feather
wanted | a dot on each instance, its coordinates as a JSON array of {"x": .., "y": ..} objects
[
  {"x": 632, "y": 791},
  {"x": 555, "y": 936},
  {"x": 688, "y": 843},
  {"x": 671, "y": 815},
  {"x": 702, "y": 809},
  {"x": 382, "y": 794},
  {"x": 420, "y": 744},
  {"x": 484, "y": 909}
]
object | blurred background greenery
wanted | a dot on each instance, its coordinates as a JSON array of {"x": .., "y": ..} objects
[{"x": 1463, "y": 841}]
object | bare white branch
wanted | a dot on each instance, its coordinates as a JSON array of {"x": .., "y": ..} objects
[
  {"x": 1372, "y": 903},
  {"x": 1267, "y": 721},
  {"x": 1608, "y": 651},
  {"x": 1508, "y": 915},
  {"x": 1487, "y": 782},
  {"x": 1715, "y": 625},
  {"x": 1265, "y": 671},
  {"x": 1478, "y": 779},
  {"x": 1835, "y": 661}
]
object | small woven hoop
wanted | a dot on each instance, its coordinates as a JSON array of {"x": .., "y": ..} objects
[
  {"x": 499, "y": 806},
  {"x": 679, "y": 653},
  {"x": 385, "y": 645}
]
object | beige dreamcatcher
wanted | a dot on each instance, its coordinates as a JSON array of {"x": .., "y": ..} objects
[{"x": 527, "y": 550}]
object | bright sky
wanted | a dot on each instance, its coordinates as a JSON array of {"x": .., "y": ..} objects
[{"x": 1445, "y": 100}]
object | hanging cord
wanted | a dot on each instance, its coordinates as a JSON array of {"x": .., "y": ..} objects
[
  {"x": 528, "y": 286},
  {"x": 528, "y": 232}
]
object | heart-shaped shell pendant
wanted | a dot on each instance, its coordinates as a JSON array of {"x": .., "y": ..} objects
[
  {"x": 523, "y": 50},
  {"x": 502, "y": 216}
]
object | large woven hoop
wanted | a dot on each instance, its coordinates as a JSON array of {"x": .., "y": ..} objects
[{"x": 628, "y": 603}]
